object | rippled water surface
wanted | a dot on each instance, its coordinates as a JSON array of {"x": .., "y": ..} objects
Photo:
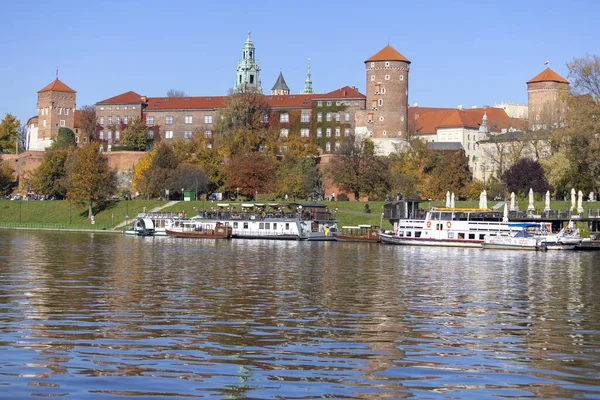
[{"x": 106, "y": 316}]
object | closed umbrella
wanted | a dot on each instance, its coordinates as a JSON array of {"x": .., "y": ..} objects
[
  {"x": 505, "y": 216},
  {"x": 484, "y": 201},
  {"x": 580, "y": 202},
  {"x": 573, "y": 199},
  {"x": 452, "y": 201},
  {"x": 448, "y": 198},
  {"x": 547, "y": 208},
  {"x": 512, "y": 201},
  {"x": 530, "y": 207}
]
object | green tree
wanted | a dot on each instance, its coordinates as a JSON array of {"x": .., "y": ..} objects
[
  {"x": 162, "y": 168},
  {"x": 9, "y": 130},
  {"x": 50, "y": 177},
  {"x": 7, "y": 179},
  {"x": 189, "y": 177},
  {"x": 135, "y": 136},
  {"x": 64, "y": 139},
  {"x": 89, "y": 178},
  {"x": 450, "y": 173}
]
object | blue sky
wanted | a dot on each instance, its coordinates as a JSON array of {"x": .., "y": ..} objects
[{"x": 462, "y": 52}]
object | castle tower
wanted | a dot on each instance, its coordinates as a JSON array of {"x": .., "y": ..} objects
[
  {"x": 280, "y": 87},
  {"x": 56, "y": 109},
  {"x": 308, "y": 82},
  {"x": 547, "y": 99},
  {"x": 248, "y": 70},
  {"x": 387, "y": 94}
]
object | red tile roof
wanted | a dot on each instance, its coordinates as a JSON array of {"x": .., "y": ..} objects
[
  {"x": 57, "y": 86},
  {"x": 279, "y": 101},
  {"x": 429, "y": 120},
  {"x": 548, "y": 75},
  {"x": 388, "y": 53},
  {"x": 127, "y": 97}
]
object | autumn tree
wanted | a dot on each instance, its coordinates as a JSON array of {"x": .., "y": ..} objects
[
  {"x": 135, "y": 136},
  {"x": 356, "y": 169},
  {"x": 89, "y": 178},
  {"x": 142, "y": 175},
  {"x": 449, "y": 173},
  {"x": 409, "y": 167},
  {"x": 87, "y": 121},
  {"x": 251, "y": 172},
  {"x": 526, "y": 174},
  {"x": 584, "y": 73},
  {"x": 7, "y": 179},
  {"x": 9, "y": 130},
  {"x": 188, "y": 176},
  {"x": 50, "y": 176}
]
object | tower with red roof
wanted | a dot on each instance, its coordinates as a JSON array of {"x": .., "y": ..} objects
[
  {"x": 547, "y": 93},
  {"x": 387, "y": 94},
  {"x": 55, "y": 109}
]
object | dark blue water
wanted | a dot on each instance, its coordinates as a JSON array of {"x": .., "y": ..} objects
[{"x": 106, "y": 316}]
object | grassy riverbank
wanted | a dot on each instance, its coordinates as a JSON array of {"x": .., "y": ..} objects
[{"x": 61, "y": 212}]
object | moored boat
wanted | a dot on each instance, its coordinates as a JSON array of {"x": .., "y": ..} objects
[
  {"x": 360, "y": 233},
  {"x": 450, "y": 227},
  {"x": 198, "y": 230},
  {"x": 152, "y": 223},
  {"x": 527, "y": 236}
]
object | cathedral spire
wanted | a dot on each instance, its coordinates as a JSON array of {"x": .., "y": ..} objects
[
  {"x": 308, "y": 82},
  {"x": 248, "y": 69}
]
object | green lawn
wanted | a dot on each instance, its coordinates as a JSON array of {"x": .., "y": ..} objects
[{"x": 346, "y": 212}]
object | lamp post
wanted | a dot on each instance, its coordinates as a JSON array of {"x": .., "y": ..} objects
[
  {"x": 237, "y": 193},
  {"x": 182, "y": 194}
]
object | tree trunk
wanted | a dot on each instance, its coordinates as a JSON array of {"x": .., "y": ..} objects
[
  {"x": 90, "y": 212},
  {"x": 356, "y": 196}
]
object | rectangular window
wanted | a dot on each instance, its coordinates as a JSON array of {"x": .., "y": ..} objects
[
  {"x": 117, "y": 134},
  {"x": 109, "y": 135},
  {"x": 208, "y": 119},
  {"x": 347, "y": 117},
  {"x": 124, "y": 107},
  {"x": 287, "y": 226},
  {"x": 118, "y": 120},
  {"x": 337, "y": 116},
  {"x": 59, "y": 111},
  {"x": 261, "y": 225},
  {"x": 328, "y": 117},
  {"x": 125, "y": 120},
  {"x": 319, "y": 104},
  {"x": 275, "y": 226},
  {"x": 284, "y": 117},
  {"x": 101, "y": 135},
  {"x": 328, "y": 147},
  {"x": 328, "y": 132},
  {"x": 62, "y": 122},
  {"x": 328, "y": 103},
  {"x": 101, "y": 108},
  {"x": 346, "y": 132},
  {"x": 168, "y": 134},
  {"x": 304, "y": 132},
  {"x": 337, "y": 146},
  {"x": 110, "y": 120},
  {"x": 284, "y": 133},
  {"x": 245, "y": 225},
  {"x": 101, "y": 120},
  {"x": 187, "y": 134},
  {"x": 76, "y": 139},
  {"x": 117, "y": 108},
  {"x": 133, "y": 107},
  {"x": 265, "y": 118},
  {"x": 305, "y": 117},
  {"x": 169, "y": 120},
  {"x": 109, "y": 108},
  {"x": 208, "y": 133},
  {"x": 44, "y": 123},
  {"x": 66, "y": 111},
  {"x": 188, "y": 119},
  {"x": 338, "y": 103},
  {"x": 149, "y": 120},
  {"x": 319, "y": 132},
  {"x": 319, "y": 117},
  {"x": 337, "y": 131}
]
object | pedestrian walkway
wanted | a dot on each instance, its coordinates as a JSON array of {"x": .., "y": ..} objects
[{"x": 155, "y": 209}]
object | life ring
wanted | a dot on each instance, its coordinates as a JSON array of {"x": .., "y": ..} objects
[
  {"x": 449, "y": 224},
  {"x": 429, "y": 224}
]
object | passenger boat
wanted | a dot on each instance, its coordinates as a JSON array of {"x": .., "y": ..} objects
[
  {"x": 275, "y": 221},
  {"x": 528, "y": 236},
  {"x": 360, "y": 233},
  {"x": 197, "y": 229},
  {"x": 152, "y": 223},
  {"x": 452, "y": 227}
]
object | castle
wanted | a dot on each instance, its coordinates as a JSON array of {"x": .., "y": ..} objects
[{"x": 382, "y": 114}]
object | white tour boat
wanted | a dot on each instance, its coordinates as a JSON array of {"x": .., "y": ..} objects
[
  {"x": 452, "y": 227},
  {"x": 526, "y": 236}
]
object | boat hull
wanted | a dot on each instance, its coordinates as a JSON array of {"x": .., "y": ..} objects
[{"x": 405, "y": 241}]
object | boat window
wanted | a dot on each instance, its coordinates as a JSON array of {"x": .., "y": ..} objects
[
  {"x": 435, "y": 216},
  {"x": 274, "y": 226},
  {"x": 461, "y": 236},
  {"x": 418, "y": 234},
  {"x": 408, "y": 234},
  {"x": 471, "y": 236},
  {"x": 245, "y": 225},
  {"x": 461, "y": 216},
  {"x": 261, "y": 225},
  {"x": 401, "y": 233},
  {"x": 287, "y": 226},
  {"x": 267, "y": 225},
  {"x": 446, "y": 216},
  {"x": 481, "y": 237},
  {"x": 450, "y": 235}
]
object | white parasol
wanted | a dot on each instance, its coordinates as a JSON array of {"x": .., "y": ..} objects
[
  {"x": 531, "y": 207},
  {"x": 452, "y": 200},
  {"x": 512, "y": 201},
  {"x": 580, "y": 202},
  {"x": 505, "y": 216},
  {"x": 547, "y": 208},
  {"x": 484, "y": 201},
  {"x": 573, "y": 199},
  {"x": 448, "y": 199}
]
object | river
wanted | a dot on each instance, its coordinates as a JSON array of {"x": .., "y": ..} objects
[{"x": 108, "y": 316}]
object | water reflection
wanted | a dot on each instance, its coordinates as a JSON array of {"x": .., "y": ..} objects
[{"x": 135, "y": 317}]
